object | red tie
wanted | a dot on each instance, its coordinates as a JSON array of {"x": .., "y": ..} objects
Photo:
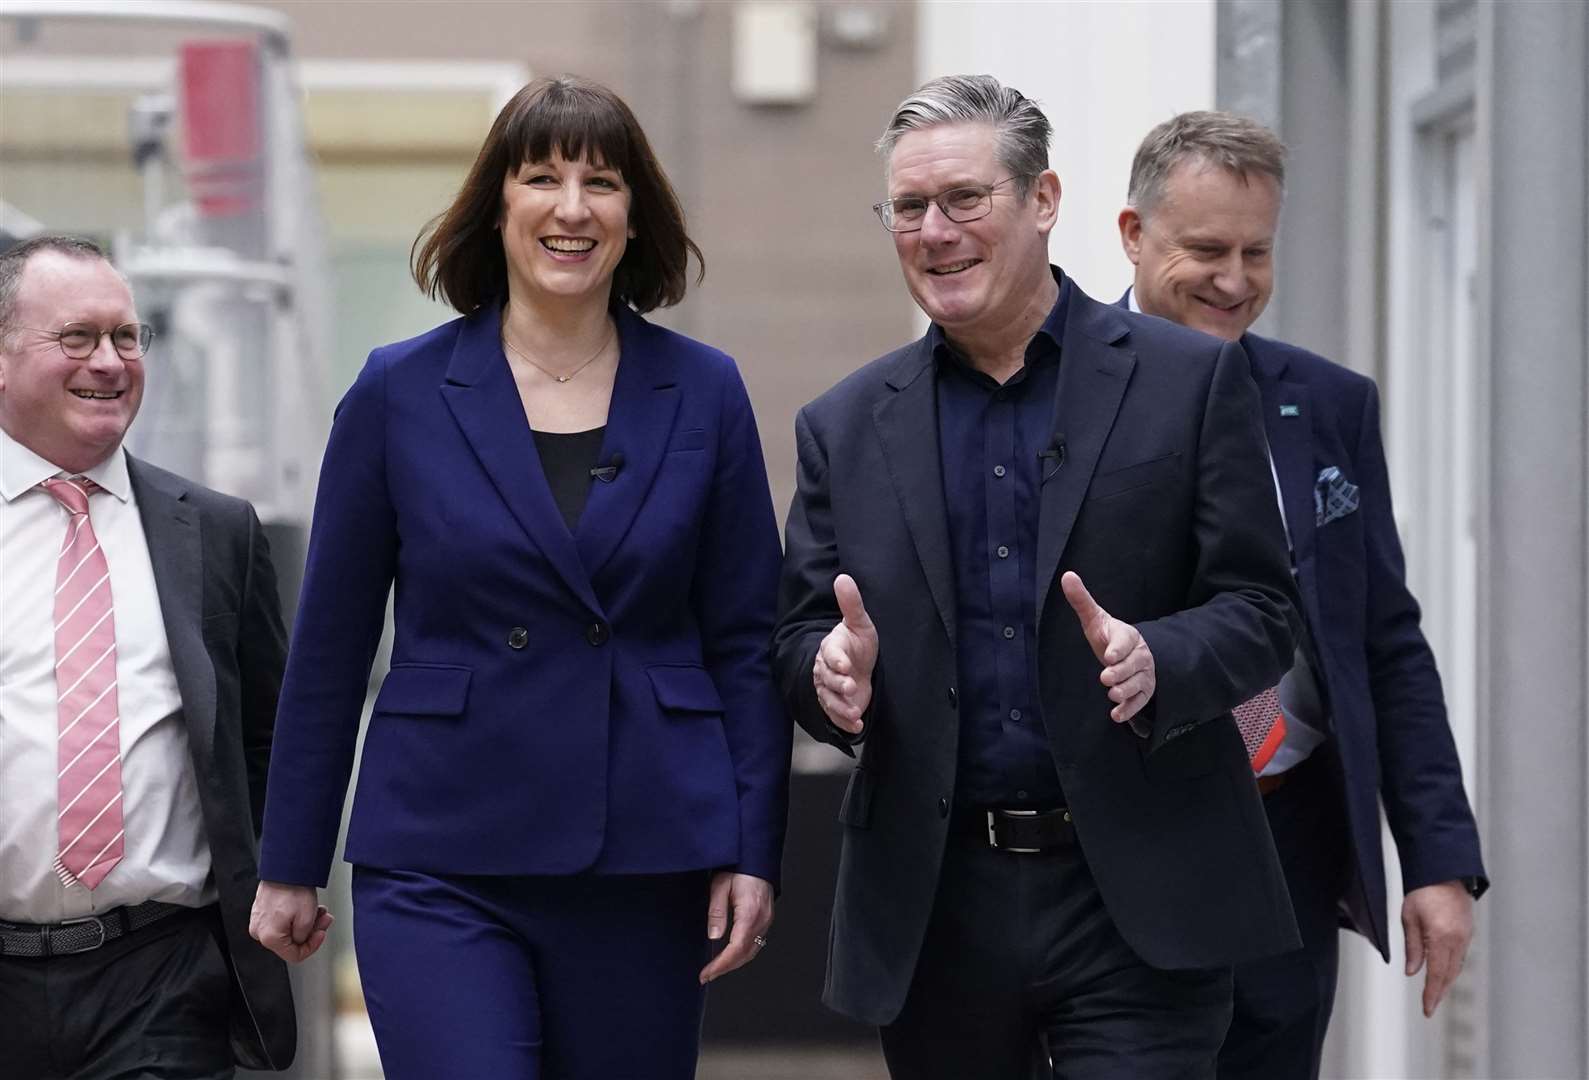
[
  {"x": 1263, "y": 727},
  {"x": 88, "y": 783}
]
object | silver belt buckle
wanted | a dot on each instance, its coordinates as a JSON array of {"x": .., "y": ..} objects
[
  {"x": 993, "y": 836},
  {"x": 98, "y": 923}
]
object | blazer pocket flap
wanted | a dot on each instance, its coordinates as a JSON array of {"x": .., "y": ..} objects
[
  {"x": 220, "y": 627},
  {"x": 685, "y": 688},
  {"x": 424, "y": 690},
  {"x": 1142, "y": 474},
  {"x": 689, "y": 439}
]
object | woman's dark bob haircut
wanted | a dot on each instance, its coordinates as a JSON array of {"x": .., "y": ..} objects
[{"x": 458, "y": 255}]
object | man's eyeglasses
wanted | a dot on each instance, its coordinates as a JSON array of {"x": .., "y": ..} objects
[
  {"x": 79, "y": 340},
  {"x": 960, "y": 205}
]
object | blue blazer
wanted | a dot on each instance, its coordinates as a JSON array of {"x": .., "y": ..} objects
[
  {"x": 558, "y": 702},
  {"x": 1387, "y": 712}
]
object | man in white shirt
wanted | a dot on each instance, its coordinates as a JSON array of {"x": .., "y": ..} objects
[{"x": 141, "y": 651}]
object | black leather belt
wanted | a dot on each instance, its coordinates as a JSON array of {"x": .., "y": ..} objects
[
  {"x": 1026, "y": 832},
  {"x": 43, "y": 940}
]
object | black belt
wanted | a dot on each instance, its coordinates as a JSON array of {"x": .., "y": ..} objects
[
  {"x": 1026, "y": 832},
  {"x": 43, "y": 940}
]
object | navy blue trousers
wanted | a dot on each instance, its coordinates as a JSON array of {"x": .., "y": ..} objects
[
  {"x": 1283, "y": 1003},
  {"x": 532, "y": 978}
]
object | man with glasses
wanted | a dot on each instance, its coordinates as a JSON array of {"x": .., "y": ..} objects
[
  {"x": 1033, "y": 561},
  {"x": 141, "y": 650},
  {"x": 1199, "y": 227}
]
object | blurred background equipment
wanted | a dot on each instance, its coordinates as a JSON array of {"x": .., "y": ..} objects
[{"x": 226, "y": 252}]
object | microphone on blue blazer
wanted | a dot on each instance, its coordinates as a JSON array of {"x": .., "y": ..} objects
[{"x": 609, "y": 472}]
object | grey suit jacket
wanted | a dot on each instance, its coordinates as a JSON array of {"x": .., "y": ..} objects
[{"x": 222, "y": 617}]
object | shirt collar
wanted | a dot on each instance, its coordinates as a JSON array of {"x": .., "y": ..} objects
[
  {"x": 21, "y": 470},
  {"x": 1131, "y": 300},
  {"x": 1053, "y": 326}
]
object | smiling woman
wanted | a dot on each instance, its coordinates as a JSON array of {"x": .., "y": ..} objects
[
  {"x": 460, "y": 258},
  {"x": 576, "y": 775}
]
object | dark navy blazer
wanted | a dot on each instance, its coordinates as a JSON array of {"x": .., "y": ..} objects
[
  {"x": 557, "y": 703},
  {"x": 1387, "y": 712},
  {"x": 1164, "y": 505}
]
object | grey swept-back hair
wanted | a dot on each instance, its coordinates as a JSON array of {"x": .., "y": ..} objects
[
  {"x": 1021, "y": 129},
  {"x": 1218, "y": 138}
]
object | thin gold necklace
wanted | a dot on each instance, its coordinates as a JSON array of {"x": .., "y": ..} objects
[{"x": 601, "y": 348}]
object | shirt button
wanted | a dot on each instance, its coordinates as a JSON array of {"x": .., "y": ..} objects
[
  {"x": 1009, "y": 632},
  {"x": 998, "y": 470},
  {"x": 1021, "y": 795},
  {"x": 954, "y": 699},
  {"x": 518, "y": 637},
  {"x": 943, "y": 806},
  {"x": 1015, "y": 714},
  {"x": 1004, "y": 552},
  {"x": 597, "y": 633}
]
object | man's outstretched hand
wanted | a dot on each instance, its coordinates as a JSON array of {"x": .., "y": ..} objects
[
  {"x": 1127, "y": 661},
  {"x": 842, "y": 671}
]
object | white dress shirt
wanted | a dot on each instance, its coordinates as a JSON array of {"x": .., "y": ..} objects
[
  {"x": 167, "y": 854},
  {"x": 1301, "y": 739}
]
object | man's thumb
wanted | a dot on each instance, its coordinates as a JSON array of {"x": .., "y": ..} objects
[
  {"x": 1081, "y": 601},
  {"x": 848, "y": 594}
]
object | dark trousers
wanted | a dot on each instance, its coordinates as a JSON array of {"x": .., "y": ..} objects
[
  {"x": 523, "y": 978},
  {"x": 1023, "y": 974},
  {"x": 151, "y": 1005},
  {"x": 1283, "y": 1003}
]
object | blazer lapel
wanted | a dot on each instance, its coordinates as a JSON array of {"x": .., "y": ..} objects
[
  {"x": 645, "y": 399},
  {"x": 1093, "y": 375},
  {"x": 172, "y": 531},
  {"x": 484, "y": 400},
  {"x": 907, "y": 425},
  {"x": 1288, "y": 425}
]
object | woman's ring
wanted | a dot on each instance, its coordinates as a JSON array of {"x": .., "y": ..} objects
[{"x": 761, "y": 942}]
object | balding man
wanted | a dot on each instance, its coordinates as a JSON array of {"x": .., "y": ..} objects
[
  {"x": 141, "y": 650},
  {"x": 1362, "y": 706}
]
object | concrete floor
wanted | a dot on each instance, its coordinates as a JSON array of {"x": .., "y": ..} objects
[
  {"x": 793, "y": 1063},
  {"x": 358, "y": 1060}
]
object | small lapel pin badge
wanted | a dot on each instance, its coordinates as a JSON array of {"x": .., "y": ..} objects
[{"x": 1290, "y": 410}]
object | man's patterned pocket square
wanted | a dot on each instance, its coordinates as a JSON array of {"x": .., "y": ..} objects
[{"x": 1333, "y": 496}]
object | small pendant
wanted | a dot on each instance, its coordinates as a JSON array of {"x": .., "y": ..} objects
[{"x": 562, "y": 378}]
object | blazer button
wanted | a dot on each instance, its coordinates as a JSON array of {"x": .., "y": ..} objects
[
  {"x": 518, "y": 637},
  {"x": 943, "y": 806},
  {"x": 597, "y": 633}
]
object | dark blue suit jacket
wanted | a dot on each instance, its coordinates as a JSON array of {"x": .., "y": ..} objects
[
  {"x": 1164, "y": 505},
  {"x": 557, "y": 703},
  {"x": 1387, "y": 712}
]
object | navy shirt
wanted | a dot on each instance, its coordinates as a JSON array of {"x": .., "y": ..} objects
[{"x": 990, "y": 437}]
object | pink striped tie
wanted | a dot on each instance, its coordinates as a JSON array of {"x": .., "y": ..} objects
[{"x": 89, "y": 781}]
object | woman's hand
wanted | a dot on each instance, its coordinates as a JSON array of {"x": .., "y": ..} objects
[
  {"x": 749, "y": 900},
  {"x": 288, "y": 920}
]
